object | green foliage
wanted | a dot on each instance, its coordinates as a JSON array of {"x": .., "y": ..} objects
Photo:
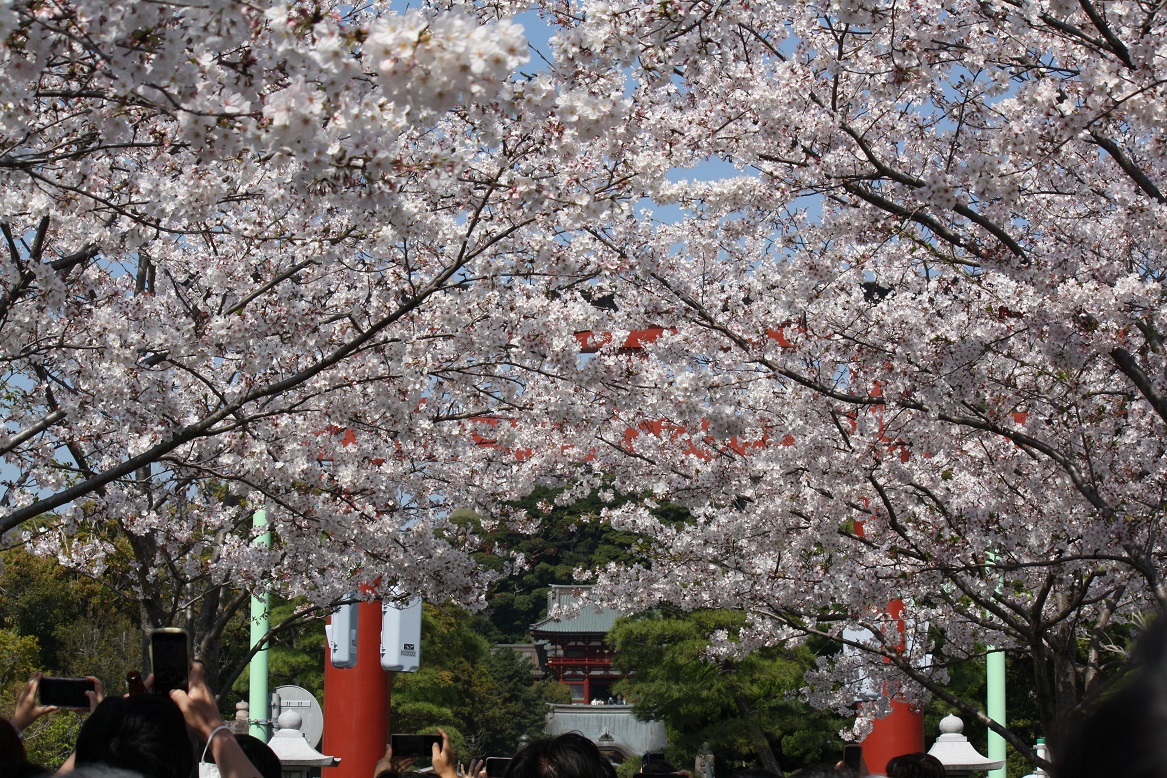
[
  {"x": 489, "y": 697},
  {"x": 19, "y": 658},
  {"x": 296, "y": 655},
  {"x": 39, "y": 597},
  {"x": 50, "y": 739},
  {"x": 521, "y": 704},
  {"x": 54, "y": 620},
  {"x": 569, "y": 539},
  {"x": 727, "y": 704}
]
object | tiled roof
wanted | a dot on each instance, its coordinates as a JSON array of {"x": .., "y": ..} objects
[{"x": 587, "y": 620}]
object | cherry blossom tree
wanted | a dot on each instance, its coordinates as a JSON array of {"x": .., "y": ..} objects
[
  {"x": 333, "y": 260},
  {"x": 268, "y": 257},
  {"x": 914, "y": 348}
]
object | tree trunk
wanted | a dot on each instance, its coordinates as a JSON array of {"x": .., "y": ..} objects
[{"x": 757, "y": 736}]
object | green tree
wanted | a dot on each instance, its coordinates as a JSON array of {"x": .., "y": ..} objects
[
  {"x": 296, "y": 651},
  {"x": 19, "y": 658},
  {"x": 570, "y": 538},
  {"x": 81, "y": 626},
  {"x": 521, "y": 703},
  {"x": 486, "y": 699},
  {"x": 744, "y": 708}
]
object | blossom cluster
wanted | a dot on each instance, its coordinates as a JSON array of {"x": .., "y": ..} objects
[{"x": 428, "y": 64}]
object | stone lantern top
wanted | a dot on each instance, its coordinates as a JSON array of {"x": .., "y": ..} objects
[
  {"x": 292, "y": 747},
  {"x": 957, "y": 754}
]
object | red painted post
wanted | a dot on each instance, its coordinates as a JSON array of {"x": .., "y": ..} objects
[
  {"x": 356, "y": 703},
  {"x": 901, "y": 732}
]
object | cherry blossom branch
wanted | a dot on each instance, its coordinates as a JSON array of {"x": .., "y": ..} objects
[
  {"x": 892, "y": 655},
  {"x": 1128, "y": 166}
]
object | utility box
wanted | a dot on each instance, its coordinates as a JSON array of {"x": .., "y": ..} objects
[
  {"x": 341, "y": 633},
  {"x": 401, "y": 635}
]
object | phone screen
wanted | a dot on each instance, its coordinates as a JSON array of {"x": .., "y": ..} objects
[
  {"x": 852, "y": 755},
  {"x": 65, "y": 692},
  {"x": 414, "y": 745},
  {"x": 170, "y": 659},
  {"x": 496, "y": 766}
]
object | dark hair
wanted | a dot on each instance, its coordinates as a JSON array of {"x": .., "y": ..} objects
[
  {"x": 144, "y": 733},
  {"x": 657, "y": 767},
  {"x": 22, "y": 769},
  {"x": 260, "y": 755},
  {"x": 11, "y": 746},
  {"x": 1123, "y": 736},
  {"x": 917, "y": 765},
  {"x": 755, "y": 772},
  {"x": 564, "y": 756},
  {"x": 826, "y": 770}
]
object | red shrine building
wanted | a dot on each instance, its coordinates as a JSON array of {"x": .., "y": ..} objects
[{"x": 574, "y": 647}]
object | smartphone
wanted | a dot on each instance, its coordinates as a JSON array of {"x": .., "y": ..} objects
[
  {"x": 852, "y": 755},
  {"x": 496, "y": 766},
  {"x": 170, "y": 659},
  {"x": 650, "y": 757},
  {"x": 414, "y": 745},
  {"x": 65, "y": 692}
]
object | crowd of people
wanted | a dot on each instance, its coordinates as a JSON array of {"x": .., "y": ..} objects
[
  {"x": 182, "y": 735},
  {"x": 140, "y": 735}
]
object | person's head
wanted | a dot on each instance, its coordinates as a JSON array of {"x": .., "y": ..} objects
[
  {"x": 144, "y": 733},
  {"x": 826, "y": 770},
  {"x": 11, "y": 746},
  {"x": 657, "y": 767},
  {"x": 260, "y": 754},
  {"x": 755, "y": 772},
  {"x": 1123, "y": 736},
  {"x": 916, "y": 765},
  {"x": 564, "y": 756}
]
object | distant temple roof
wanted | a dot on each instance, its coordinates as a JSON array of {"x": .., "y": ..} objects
[{"x": 588, "y": 620}]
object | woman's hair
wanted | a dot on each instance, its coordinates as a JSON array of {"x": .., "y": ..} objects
[
  {"x": 917, "y": 765},
  {"x": 11, "y": 746},
  {"x": 565, "y": 756},
  {"x": 1123, "y": 737},
  {"x": 144, "y": 733}
]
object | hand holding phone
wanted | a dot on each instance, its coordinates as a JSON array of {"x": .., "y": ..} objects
[
  {"x": 66, "y": 692},
  {"x": 28, "y": 706},
  {"x": 414, "y": 745}
]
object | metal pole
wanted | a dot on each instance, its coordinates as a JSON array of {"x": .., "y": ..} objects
[
  {"x": 259, "y": 700},
  {"x": 995, "y": 705}
]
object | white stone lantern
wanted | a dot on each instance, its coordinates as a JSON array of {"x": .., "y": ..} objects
[
  {"x": 957, "y": 754},
  {"x": 297, "y": 757}
]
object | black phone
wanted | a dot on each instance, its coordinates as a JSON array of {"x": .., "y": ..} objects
[
  {"x": 496, "y": 766},
  {"x": 169, "y": 659},
  {"x": 852, "y": 755},
  {"x": 65, "y": 692},
  {"x": 414, "y": 745}
]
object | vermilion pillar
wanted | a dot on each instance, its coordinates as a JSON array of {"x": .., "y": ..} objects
[
  {"x": 356, "y": 703},
  {"x": 901, "y": 732}
]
